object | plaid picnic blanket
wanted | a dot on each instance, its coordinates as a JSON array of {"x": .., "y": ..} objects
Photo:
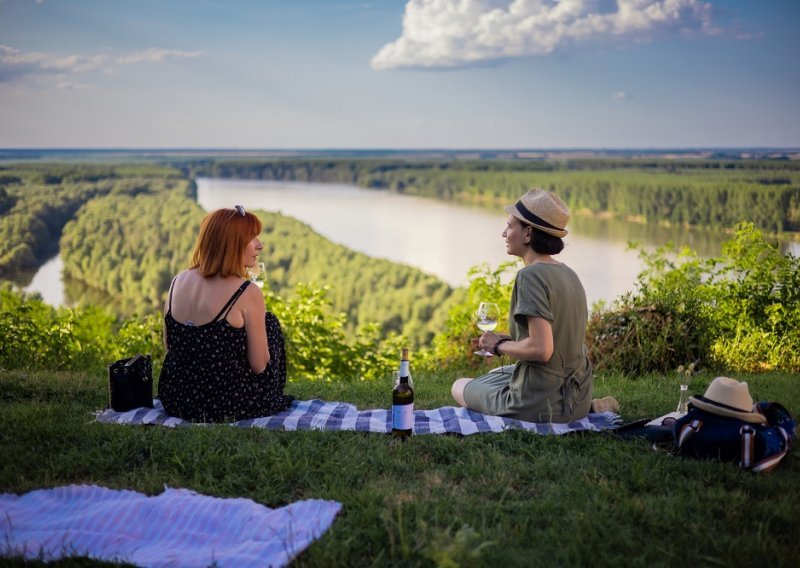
[{"x": 322, "y": 415}]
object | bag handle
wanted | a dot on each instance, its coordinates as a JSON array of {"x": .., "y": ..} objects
[
  {"x": 687, "y": 431},
  {"x": 768, "y": 464},
  {"x": 133, "y": 360}
]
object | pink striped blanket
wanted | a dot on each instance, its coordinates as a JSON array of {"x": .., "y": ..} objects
[{"x": 176, "y": 528}]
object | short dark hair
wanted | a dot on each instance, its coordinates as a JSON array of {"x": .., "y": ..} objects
[{"x": 543, "y": 243}]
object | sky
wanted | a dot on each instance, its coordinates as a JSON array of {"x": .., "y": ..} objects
[{"x": 414, "y": 74}]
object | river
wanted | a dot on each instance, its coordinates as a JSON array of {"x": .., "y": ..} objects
[
  {"x": 446, "y": 239},
  {"x": 441, "y": 238}
]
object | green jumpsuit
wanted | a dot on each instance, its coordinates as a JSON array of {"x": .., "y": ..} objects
[{"x": 559, "y": 390}]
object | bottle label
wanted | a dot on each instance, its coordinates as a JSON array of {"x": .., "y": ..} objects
[
  {"x": 403, "y": 369},
  {"x": 402, "y": 416}
]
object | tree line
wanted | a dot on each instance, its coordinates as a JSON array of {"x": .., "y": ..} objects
[
  {"x": 133, "y": 228},
  {"x": 704, "y": 193},
  {"x": 131, "y": 246},
  {"x": 124, "y": 231},
  {"x": 37, "y": 200}
]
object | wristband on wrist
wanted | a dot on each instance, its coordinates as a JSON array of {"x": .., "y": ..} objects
[{"x": 496, "y": 345}]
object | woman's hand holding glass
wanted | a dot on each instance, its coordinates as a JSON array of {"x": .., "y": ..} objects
[{"x": 487, "y": 315}]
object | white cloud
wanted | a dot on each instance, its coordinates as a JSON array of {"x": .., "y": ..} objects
[
  {"x": 620, "y": 96},
  {"x": 15, "y": 64},
  {"x": 156, "y": 55},
  {"x": 455, "y": 33}
]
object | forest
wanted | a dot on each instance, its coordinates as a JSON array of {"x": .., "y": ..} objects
[
  {"x": 131, "y": 246},
  {"x": 125, "y": 230},
  {"x": 37, "y": 200}
]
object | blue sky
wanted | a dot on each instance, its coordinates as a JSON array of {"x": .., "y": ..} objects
[{"x": 399, "y": 74}]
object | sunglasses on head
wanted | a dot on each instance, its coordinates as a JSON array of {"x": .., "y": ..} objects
[{"x": 237, "y": 210}]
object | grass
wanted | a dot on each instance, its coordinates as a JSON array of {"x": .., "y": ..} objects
[{"x": 512, "y": 499}]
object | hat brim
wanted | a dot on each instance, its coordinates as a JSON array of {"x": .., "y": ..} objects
[
  {"x": 560, "y": 233},
  {"x": 710, "y": 406}
]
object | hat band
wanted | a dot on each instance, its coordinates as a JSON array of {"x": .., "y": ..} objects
[
  {"x": 534, "y": 219},
  {"x": 721, "y": 405}
]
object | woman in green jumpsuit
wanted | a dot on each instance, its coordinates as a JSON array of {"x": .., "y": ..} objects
[{"x": 552, "y": 378}]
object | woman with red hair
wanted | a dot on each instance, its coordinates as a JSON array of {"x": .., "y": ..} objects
[{"x": 225, "y": 358}]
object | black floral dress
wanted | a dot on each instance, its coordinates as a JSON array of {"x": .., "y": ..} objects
[{"x": 206, "y": 376}]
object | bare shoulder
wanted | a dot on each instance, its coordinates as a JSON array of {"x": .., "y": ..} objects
[
  {"x": 189, "y": 275},
  {"x": 254, "y": 295}
]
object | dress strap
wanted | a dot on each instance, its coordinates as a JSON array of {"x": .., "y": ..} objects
[
  {"x": 171, "y": 287},
  {"x": 223, "y": 313}
]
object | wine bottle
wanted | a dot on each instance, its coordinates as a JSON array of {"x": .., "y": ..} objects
[{"x": 403, "y": 401}]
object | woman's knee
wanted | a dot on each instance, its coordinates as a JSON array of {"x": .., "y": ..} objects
[{"x": 457, "y": 390}]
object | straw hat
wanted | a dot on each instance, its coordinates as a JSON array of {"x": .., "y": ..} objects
[
  {"x": 542, "y": 210},
  {"x": 728, "y": 397}
]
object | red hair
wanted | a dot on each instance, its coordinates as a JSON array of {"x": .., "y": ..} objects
[{"x": 219, "y": 249}]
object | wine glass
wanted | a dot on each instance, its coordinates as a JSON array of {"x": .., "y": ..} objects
[
  {"x": 258, "y": 274},
  {"x": 487, "y": 320}
]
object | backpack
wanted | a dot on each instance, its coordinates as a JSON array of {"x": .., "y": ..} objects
[{"x": 756, "y": 447}]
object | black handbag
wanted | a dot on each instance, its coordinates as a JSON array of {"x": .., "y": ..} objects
[{"x": 130, "y": 383}]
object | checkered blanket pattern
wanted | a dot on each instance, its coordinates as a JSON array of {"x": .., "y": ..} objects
[{"x": 336, "y": 416}]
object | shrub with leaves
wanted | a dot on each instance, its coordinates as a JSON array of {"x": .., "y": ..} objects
[
  {"x": 452, "y": 345},
  {"x": 756, "y": 305},
  {"x": 38, "y": 336},
  {"x": 317, "y": 346},
  {"x": 740, "y": 311},
  {"x": 641, "y": 339}
]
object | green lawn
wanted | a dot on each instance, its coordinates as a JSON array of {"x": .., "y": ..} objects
[{"x": 511, "y": 499}]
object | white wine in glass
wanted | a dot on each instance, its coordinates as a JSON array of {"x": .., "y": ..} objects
[
  {"x": 258, "y": 274},
  {"x": 487, "y": 320}
]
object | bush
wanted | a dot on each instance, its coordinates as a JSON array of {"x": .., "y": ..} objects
[
  {"x": 38, "y": 336},
  {"x": 317, "y": 347},
  {"x": 641, "y": 339},
  {"x": 738, "y": 312},
  {"x": 756, "y": 307},
  {"x": 452, "y": 345}
]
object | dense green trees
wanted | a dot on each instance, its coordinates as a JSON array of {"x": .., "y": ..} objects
[
  {"x": 738, "y": 312},
  {"x": 131, "y": 246},
  {"x": 132, "y": 227},
  {"x": 37, "y": 200},
  {"x": 397, "y": 297}
]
